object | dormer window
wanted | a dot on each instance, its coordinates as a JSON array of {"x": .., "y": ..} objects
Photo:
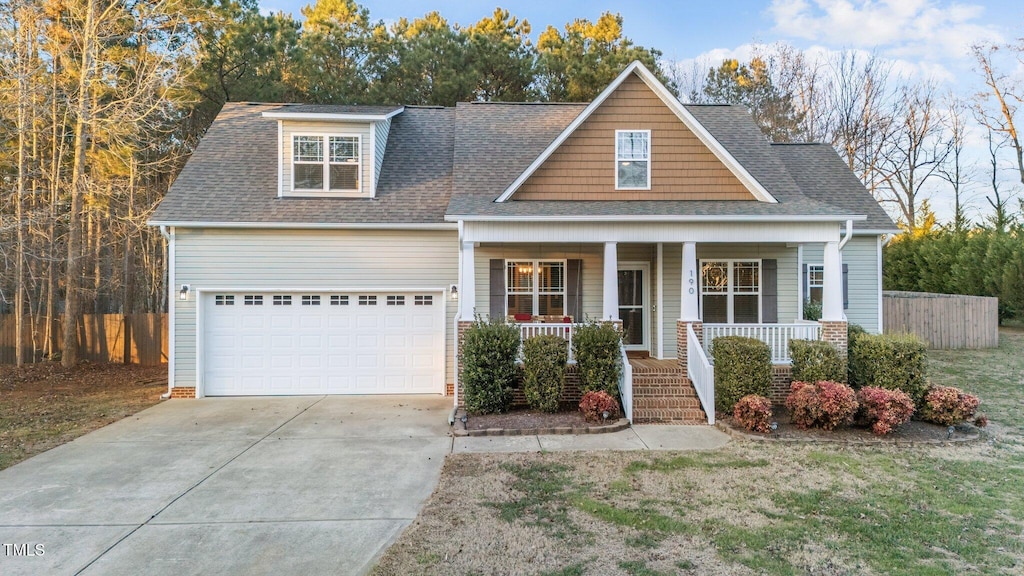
[
  {"x": 326, "y": 163},
  {"x": 632, "y": 159}
]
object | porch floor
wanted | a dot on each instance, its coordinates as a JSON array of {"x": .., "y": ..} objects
[{"x": 654, "y": 365}]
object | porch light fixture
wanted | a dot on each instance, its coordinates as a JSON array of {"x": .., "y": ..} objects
[
  {"x": 183, "y": 294},
  {"x": 454, "y": 291}
]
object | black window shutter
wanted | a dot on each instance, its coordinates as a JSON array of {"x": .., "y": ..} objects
[
  {"x": 846, "y": 286},
  {"x": 497, "y": 289},
  {"x": 574, "y": 289},
  {"x": 770, "y": 291}
]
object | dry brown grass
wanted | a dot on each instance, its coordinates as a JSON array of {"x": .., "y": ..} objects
[{"x": 44, "y": 405}]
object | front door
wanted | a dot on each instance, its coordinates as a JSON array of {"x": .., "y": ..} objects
[{"x": 633, "y": 306}]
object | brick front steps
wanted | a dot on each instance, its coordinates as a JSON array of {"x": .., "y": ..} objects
[{"x": 661, "y": 394}]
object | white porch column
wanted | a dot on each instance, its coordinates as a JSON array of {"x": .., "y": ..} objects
[
  {"x": 689, "y": 311},
  {"x": 611, "y": 282},
  {"x": 832, "y": 297},
  {"x": 467, "y": 284}
]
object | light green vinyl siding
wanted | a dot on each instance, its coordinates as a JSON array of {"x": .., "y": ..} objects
[
  {"x": 307, "y": 259},
  {"x": 861, "y": 258},
  {"x": 292, "y": 127}
]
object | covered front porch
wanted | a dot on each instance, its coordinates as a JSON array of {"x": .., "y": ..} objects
[{"x": 659, "y": 282}]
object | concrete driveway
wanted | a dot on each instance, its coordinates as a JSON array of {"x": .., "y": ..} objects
[{"x": 296, "y": 485}]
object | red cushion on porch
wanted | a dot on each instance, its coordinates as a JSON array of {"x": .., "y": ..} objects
[
  {"x": 567, "y": 319},
  {"x": 523, "y": 317}
]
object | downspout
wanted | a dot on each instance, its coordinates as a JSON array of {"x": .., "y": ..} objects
[
  {"x": 842, "y": 242},
  {"x": 169, "y": 238},
  {"x": 847, "y": 236}
]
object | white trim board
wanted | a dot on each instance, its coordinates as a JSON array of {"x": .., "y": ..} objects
[
  {"x": 331, "y": 116},
  {"x": 675, "y": 106},
  {"x": 308, "y": 225}
]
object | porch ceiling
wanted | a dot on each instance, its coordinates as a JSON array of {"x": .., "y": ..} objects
[{"x": 633, "y": 231}]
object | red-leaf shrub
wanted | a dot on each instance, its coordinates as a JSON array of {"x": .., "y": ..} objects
[
  {"x": 948, "y": 406},
  {"x": 594, "y": 404},
  {"x": 886, "y": 410},
  {"x": 824, "y": 405},
  {"x": 754, "y": 413}
]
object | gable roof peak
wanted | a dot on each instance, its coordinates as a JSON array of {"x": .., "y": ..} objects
[{"x": 669, "y": 99}]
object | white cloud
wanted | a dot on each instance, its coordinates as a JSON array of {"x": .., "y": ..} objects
[{"x": 899, "y": 28}]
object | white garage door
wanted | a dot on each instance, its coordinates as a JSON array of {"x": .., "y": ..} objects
[{"x": 354, "y": 343}]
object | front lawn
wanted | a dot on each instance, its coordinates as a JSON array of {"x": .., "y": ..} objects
[
  {"x": 44, "y": 405},
  {"x": 750, "y": 508}
]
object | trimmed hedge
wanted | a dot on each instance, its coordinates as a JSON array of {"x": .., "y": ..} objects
[
  {"x": 743, "y": 366},
  {"x": 488, "y": 359},
  {"x": 894, "y": 362},
  {"x": 596, "y": 346},
  {"x": 816, "y": 360},
  {"x": 544, "y": 359}
]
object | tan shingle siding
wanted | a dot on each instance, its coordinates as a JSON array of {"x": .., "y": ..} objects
[{"x": 682, "y": 167}]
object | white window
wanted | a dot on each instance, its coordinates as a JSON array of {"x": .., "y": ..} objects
[
  {"x": 227, "y": 300},
  {"x": 535, "y": 287},
  {"x": 326, "y": 163},
  {"x": 731, "y": 291},
  {"x": 282, "y": 300},
  {"x": 632, "y": 159},
  {"x": 396, "y": 300},
  {"x": 339, "y": 300},
  {"x": 424, "y": 300},
  {"x": 310, "y": 300},
  {"x": 815, "y": 283},
  {"x": 253, "y": 300}
]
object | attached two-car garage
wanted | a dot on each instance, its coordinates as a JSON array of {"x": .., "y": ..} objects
[{"x": 282, "y": 343}]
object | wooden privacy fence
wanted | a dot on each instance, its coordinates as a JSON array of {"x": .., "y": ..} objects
[
  {"x": 116, "y": 338},
  {"x": 945, "y": 321}
]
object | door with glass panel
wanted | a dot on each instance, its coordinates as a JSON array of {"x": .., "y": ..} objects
[{"x": 633, "y": 300}]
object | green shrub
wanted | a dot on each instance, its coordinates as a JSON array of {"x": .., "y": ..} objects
[
  {"x": 544, "y": 359},
  {"x": 816, "y": 360},
  {"x": 488, "y": 374},
  {"x": 894, "y": 362},
  {"x": 742, "y": 366},
  {"x": 596, "y": 346},
  {"x": 812, "y": 310}
]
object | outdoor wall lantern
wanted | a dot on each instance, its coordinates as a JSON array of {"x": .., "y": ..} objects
[
  {"x": 183, "y": 294},
  {"x": 454, "y": 291}
]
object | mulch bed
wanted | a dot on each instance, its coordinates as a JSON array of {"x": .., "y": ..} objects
[
  {"x": 526, "y": 419},
  {"x": 913, "y": 432}
]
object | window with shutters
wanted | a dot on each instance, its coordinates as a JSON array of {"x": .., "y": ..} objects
[
  {"x": 535, "y": 287},
  {"x": 730, "y": 291}
]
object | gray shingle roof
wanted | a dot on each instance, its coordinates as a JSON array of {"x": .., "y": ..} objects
[
  {"x": 822, "y": 175},
  {"x": 232, "y": 175},
  {"x": 456, "y": 161}
]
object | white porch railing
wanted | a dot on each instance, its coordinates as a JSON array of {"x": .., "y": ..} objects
[
  {"x": 562, "y": 330},
  {"x": 776, "y": 336},
  {"x": 701, "y": 372},
  {"x": 626, "y": 385}
]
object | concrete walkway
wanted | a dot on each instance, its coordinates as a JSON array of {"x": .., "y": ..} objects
[
  {"x": 275, "y": 486},
  {"x": 638, "y": 437}
]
